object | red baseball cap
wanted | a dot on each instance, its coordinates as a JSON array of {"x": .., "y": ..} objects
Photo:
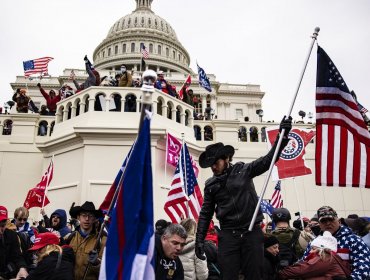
[
  {"x": 43, "y": 239},
  {"x": 3, "y": 213}
]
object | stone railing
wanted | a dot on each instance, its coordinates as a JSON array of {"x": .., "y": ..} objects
[{"x": 124, "y": 100}]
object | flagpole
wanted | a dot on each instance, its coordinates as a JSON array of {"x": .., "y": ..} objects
[
  {"x": 314, "y": 38},
  {"x": 183, "y": 163},
  {"x": 46, "y": 189},
  {"x": 299, "y": 204},
  {"x": 147, "y": 89}
]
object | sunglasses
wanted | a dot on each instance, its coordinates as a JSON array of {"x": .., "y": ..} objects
[
  {"x": 326, "y": 220},
  {"x": 22, "y": 219}
]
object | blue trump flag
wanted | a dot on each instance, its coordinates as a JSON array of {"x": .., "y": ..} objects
[
  {"x": 267, "y": 208},
  {"x": 130, "y": 245},
  {"x": 203, "y": 79}
]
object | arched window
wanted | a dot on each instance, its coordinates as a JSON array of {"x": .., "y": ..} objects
[
  {"x": 174, "y": 54},
  {"x": 253, "y": 134},
  {"x": 103, "y": 53},
  {"x": 116, "y": 50},
  {"x": 159, "y": 50},
  {"x": 263, "y": 134},
  {"x": 130, "y": 103},
  {"x": 8, "y": 126},
  {"x": 43, "y": 127},
  {"x": 167, "y": 52},
  {"x": 208, "y": 133},
  {"x": 242, "y": 134},
  {"x": 124, "y": 48},
  {"x": 109, "y": 51},
  {"x": 132, "y": 47},
  {"x": 197, "y": 133},
  {"x": 116, "y": 100},
  {"x": 149, "y": 22},
  {"x": 99, "y": 104},
  {"x": 150, "y": 48}
]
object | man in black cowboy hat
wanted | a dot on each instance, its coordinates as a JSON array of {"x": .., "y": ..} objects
[
  {"x": 83, "y": 239},
  {"x": 232, "y": 195}
]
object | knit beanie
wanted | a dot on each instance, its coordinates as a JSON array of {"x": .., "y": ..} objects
[
  {"x": 270, "y": 240},
  {"x": 326, "y": 241}
]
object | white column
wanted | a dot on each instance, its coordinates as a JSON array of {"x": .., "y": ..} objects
[
  {"x": 91, "y": 104},
  {"x": 204, "y": 104},
  {"x": 82, "y": 108},
  {"x": 173, "y": 114},
  {"x": 154, "y": 107},
  {"x": 73, "y": 114}
]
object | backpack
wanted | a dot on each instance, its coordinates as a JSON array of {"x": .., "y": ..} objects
[{"x": 287, "y": 250}]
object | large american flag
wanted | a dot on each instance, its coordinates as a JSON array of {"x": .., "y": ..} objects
[
  {"x": 144, "y": 52},
  {"x": 181, "y": 204},
  {"x": 276, "y": 200},
  {"x": 342, "y": 138},
  {"x": 37, "y": 66}
]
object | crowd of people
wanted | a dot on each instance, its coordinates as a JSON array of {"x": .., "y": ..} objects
[
  {"x": 123, "y": 78},
  {"x": 323, "y": 247}
]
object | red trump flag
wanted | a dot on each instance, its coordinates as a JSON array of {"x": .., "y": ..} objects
[
  {"x": 291, "y": 162},
  {"x": 36, "y": 196}
]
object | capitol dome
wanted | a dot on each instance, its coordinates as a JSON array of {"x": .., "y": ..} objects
[{"x": 123, "y": 43}]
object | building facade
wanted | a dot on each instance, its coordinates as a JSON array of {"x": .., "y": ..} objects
[{"x": 89, "y": 142}]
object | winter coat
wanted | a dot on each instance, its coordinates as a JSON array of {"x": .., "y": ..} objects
[
  {"x": 51, "y": 103},
  {"x": 125, "y": 80},
  {"x": 270, "y": 266},
  {"x": 351, "y": 248},
  {"x": 10, "y": 252},
  {"x": 22, "y": 102},
  {"x": 81, "y": 247},
  {"x": 92, "y": 80},
  {"x": 166, "y": 268},
  {"x": 47, "y": 268},
  {"x": 194, "y": 268},
  {"x": 316, "y": 268},
  {"x": 62, "y": 226},
  {"x": 233, "y": 195}
]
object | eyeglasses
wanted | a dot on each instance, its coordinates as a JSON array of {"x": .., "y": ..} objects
[
  {"x": 326, "y": 220},
  {"x": 87, "y": 215},
  {"x": 22, "y": 219}
]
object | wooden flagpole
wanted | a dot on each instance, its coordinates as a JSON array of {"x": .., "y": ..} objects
[{"x": 256, "y": 210}]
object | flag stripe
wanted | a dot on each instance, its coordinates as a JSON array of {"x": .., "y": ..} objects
[
  {"x": 36, "y": 66},
  {"x": 184, "y": 199},
  {"x": 343, "y": 139}
]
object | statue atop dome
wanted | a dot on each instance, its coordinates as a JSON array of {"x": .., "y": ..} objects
[{"x": 143, "y": 4}]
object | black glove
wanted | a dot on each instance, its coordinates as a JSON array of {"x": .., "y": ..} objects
[
  {"x": 286, "y": 124},
  {"x": 39, "y": 85},
  {"x": 86, "y": 59},
  {"x": 93, "y": 257},
  {"x": 199, "y": 251}
]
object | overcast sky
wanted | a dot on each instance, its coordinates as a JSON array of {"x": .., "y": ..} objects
[{"x": 261, "y": 42}]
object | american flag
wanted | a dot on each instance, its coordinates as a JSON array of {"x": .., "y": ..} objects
[
  {"x": 144, "y": 52},
  {"x": 36, "y": 66},
  {"x": 276, "y": 200},
  {"x": 362, "y": 109},
  {"x": 342, "y": 138},
  {"x": 181, "y": 204}
]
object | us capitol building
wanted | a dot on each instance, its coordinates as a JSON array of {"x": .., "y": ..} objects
[{"x": 89, "y": 144}]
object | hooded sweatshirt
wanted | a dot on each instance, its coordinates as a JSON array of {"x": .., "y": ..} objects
[{"x": 62, "y": 226}]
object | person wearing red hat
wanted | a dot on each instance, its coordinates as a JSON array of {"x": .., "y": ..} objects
[
  {"x": 12, "y": 263},
  {"x": 53, "y": 261}
]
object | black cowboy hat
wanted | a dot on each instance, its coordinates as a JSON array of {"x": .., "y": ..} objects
[
  {"x": 213, "y": 153},
  {"x": 88, "y": 206}
]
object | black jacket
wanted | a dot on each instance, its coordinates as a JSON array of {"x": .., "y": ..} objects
[
  {"x": 10, "y": 253},
  {"x": 232, "y": 195},
  {"x": 270, "y": 266},
  {"x": 166, "y": 268},
  {"x": 47, "y": 269}
]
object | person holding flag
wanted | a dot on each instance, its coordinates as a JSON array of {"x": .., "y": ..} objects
[{"x": 231, "y": 193}]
